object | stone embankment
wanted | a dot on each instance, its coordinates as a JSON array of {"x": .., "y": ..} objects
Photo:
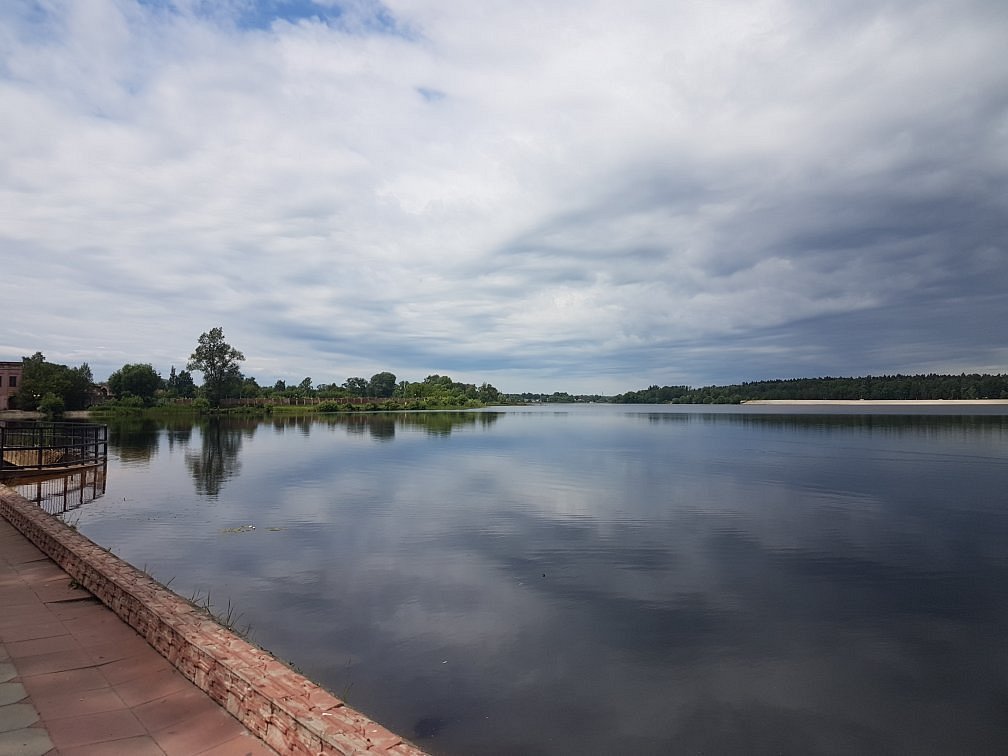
[{"x": 289, "y": 712}]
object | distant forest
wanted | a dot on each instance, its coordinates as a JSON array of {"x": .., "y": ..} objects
[{"x": 870, "y": 387}]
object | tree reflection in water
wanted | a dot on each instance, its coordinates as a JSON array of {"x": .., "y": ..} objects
[
  {"x": 134, "y": 439},
  {"x": 217, "y": 459},
  {"x": 381, "y": 426}
]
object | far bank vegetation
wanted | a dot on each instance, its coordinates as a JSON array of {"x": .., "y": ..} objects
[
  {"x": 136, "y": 387},
  {"x": 884, "y": 388}
]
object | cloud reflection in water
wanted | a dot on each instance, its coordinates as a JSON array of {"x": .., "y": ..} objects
[{"x": 600, "y": 580}]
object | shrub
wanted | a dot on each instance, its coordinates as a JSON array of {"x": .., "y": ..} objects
[
  {"x": 51, "y": 405},
  {"x": 332, "y": 406}
]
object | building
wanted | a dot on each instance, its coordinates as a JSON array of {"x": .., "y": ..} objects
[{"x": 10, "y": 381}]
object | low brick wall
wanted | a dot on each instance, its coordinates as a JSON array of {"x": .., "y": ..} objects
[{"x": 288, "y": 711}]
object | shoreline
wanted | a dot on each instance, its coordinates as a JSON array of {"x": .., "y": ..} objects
[
  {"x": 885, "y": 402},
  {"x": 280, "y": 706}
]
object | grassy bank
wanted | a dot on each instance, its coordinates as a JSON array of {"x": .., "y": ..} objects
[{"x": 200, "y": 409}]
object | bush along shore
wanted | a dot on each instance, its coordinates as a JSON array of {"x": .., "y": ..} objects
[
  {"x": 880, "y": 388},
  {"x": 260, "y": 407},
  {"x": 53, "y": 390}
]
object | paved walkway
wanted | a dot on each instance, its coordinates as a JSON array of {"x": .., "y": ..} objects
[{"x": 76, "y": 680}]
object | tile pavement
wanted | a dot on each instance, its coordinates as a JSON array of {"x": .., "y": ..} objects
[{"x": 76, "y": 680}]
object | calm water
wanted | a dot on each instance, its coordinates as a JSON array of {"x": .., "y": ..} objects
[{"x": 602, "y": 579}]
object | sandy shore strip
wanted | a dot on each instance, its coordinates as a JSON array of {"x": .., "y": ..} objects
[{"x": 884, "y": 402}]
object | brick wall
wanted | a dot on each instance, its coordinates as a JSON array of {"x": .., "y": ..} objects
[
  {"x": 9, "y": 370},
  {"x": 288, "y": 711}
]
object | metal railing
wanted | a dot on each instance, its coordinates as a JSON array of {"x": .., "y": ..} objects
[
  {"x": 34, "y": 447},
  {"x": 58, "y": 493}
]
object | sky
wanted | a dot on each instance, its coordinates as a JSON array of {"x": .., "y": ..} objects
[{"x": 549, "y": 196}]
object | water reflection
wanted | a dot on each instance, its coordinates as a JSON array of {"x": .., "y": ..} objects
[
  {"x": 381, "y": 426},
  {"x": 711, "y": 582},
  {"x": 178, "y": 432},
  {"x": 135, "y": 440},
  {"x": 300, "y": 423},
  {"x": 843, "y": 422},
  {"x": 59, "y": 494},
  {"x": 378, "y": 427},
  {"x": 217, "y": 461}
]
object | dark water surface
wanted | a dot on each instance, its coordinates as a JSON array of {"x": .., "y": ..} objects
[{"x": 602, "y": 579}]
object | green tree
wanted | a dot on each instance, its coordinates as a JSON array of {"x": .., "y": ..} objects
[
  {"x": 218, "y": 361},
  {"x": 71, "y": 385},
  {"x": 185, "y": 387},
  {"x": 382, "y": 384},
  {"x": 81, "y": 387},
  {"x": 51, "y": 405},
  {"x": 136, "y": 380},
  {"x": 488, "y": 394},
  {"x": 356, "y": 386},
  {"x": 250, "y": 388}
]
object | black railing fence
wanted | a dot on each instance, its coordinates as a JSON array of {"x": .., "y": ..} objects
[
  {"x": 28, "y": 447},
  {"x": 61, "y": 493}
]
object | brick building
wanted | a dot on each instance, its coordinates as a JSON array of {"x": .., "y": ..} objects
[{"x": 10, "y": 381}]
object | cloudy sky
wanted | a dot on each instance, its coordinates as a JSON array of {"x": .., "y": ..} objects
[{"x": 583, "y": 196}]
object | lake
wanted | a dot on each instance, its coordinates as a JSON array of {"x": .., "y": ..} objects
[{"x": 601, "y": 578}]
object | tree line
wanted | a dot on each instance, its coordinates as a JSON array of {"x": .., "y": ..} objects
[
  {"x": 51, "y": 388},
  {"x": 884, "y": 387}
]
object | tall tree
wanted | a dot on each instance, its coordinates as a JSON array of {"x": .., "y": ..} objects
[
  {"x": 78, "y": 395},
  {"x": 71, "y": 385},
  {"x": 218, "y": 361},
  {"x": 184, "y": 385},
  {"x": 136, "y": 380},
  {"x": 356, "y": 386},
  {"x": 250, "y": 388},
  {"x": 382, "y": 384},
  {"x": 488, "y": 394}
]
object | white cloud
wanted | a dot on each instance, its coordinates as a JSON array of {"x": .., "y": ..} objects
[{"x": 535, "y": 192}]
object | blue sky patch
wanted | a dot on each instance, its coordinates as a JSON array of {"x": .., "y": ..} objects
[
  {"x": 431, "y": 95},
  {"x": 261, "y": 15},
  {"x": 355, "y": 18}
]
